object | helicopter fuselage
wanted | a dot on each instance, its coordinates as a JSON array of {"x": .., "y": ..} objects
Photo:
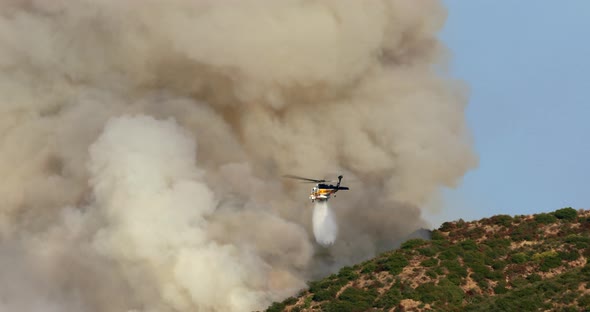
[{"x": 322, "y": 192}]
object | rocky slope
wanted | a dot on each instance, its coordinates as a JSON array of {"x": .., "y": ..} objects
[{"x": 502, "y": 263}]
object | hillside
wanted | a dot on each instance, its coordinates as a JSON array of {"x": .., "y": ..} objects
[{"x": 502, "y": 263}]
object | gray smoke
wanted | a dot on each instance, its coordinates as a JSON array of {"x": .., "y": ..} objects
[{"x": 142, "y": 145}]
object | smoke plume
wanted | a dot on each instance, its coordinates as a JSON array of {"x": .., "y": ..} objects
[{"x": 142, "y": 145}]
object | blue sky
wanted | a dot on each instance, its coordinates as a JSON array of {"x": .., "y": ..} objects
[{"x": 528, "y": 67}]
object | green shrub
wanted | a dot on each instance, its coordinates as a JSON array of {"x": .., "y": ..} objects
[
  {"x": 570, "y": 279},
  {"x": 276, "y": 307},
  {"x": 307, "y": 302},
  {"x": 456, "y": 271},
  {"x": 326, "y": 289},
  {"x": 566, "y": 214},
  {"x": 483, "y": 284},
  {"x": 492, "y": 254},
  {"x": 534, "y": 278},
  {"x": 394, "y": 264},
  {"x": 524, "y": 231},
  {"x": 447, "y": 255},
  {"x": 568, "y": 297},
  {"x": 451, "y": 252},
  {"x": 473, "y": 257},
  {"x": 545, "y": 218},
  {"x": 495, "y": 275},
  {"x": 436, "y": 235},
  {"x": 431, "y": 274},
  {"x": 504, "y": 220},
  {"x": 450, "y": 292},
  {"x": 498, "y": 243},
  {"x": 579, "y": 241},
  {"x": 549, "y": 287},
  {"x": 584, "y": 301},
  {"x": 347, "y": 273},
  {"x": 301, "y": 293},
  {"x": 500, "y": 288},
  {"x": 475, "y": 233},
  {"x": 444, "y": 292},
  {"x": 550, "y": 263},
  {"x": 290, "y": 301},
  {"x": 542, "y": 255},
  {"x": 429, "y": 262},
  {"x": 427, "y": 251},
  {"x": 569, "y": 255},
  {"x": 319, "y": 285},
  {"x": 446, "y": 227},
  {"x": 519, "y": 258},
  {"x": 499, "y": 265},
  {"x": 426, "y": 293},
  {"x": 438, "y": 270},
  {"x": 518, "y": 302},
  {"x": 519, "y": 282},
  {"x": 460, "y": 223},
  {"x": 585, "y": 272},
  {"x": 389, "y": 299},
  {"x": 376, "y": 285},
  {"x": 344, "y": 306},
  {"x": 468, "y": 244},
  {"x": 325, "y": 294},
  {"x": 574, "y": 238},
  {"x": 440, "y": 244},
  {"x": 516, "y": 269},
  {"x": 359, "y": 299},
  {"x": 412, "y": 243},
  {"x": 548, "y": 260},
  {"x": 369, "y": 268}
]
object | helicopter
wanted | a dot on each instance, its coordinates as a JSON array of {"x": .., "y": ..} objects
[{"x": 321, "y": 191}]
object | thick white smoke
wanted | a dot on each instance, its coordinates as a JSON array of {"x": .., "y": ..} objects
[
  {"x": 155, "y": 204},
  {"x": 325, "y": 228},
  {"x": 142, "y": 145}
]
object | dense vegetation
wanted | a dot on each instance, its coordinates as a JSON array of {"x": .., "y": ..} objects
[{"x": 502, "y": 263}]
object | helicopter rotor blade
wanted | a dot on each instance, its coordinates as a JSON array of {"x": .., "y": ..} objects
[{"x": 304, "y": 179}]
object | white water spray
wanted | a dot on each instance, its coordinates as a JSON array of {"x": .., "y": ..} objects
[{"x": 324, "y": 225}]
